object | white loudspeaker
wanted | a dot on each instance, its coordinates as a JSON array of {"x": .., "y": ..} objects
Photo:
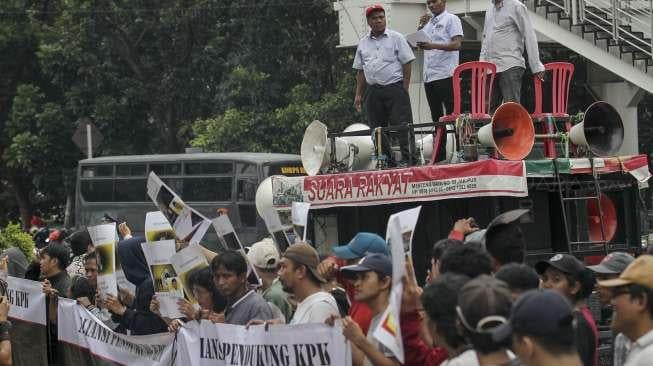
[
  {"x": 264, "y": 196},
  {"x": 602, "y": 130},
  {"x": 424, "y": 144},
  {"x": 352, "y": 151}
]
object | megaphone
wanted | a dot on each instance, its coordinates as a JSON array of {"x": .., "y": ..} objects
[
  {"x": 609, "y": 215},
  {"x": 511, "y": 131},
  {"x": 425, "y": 144},
  {"x": 263, "y": 196},
  {"x": 602, "y": 130},
  {"x": 352, "y": 151}
]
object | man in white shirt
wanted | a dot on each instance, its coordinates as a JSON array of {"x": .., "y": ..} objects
[
  {"x": 383, "y": 63},
  {"x": 298, "y": 275},
  {"x": 632, "y": 302},
  {"x": 506, "y": 32},
  {"x": 440, "y": 59}
]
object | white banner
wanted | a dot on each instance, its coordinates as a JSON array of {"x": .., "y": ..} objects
[
  {"x": 224, "y": 344},
  {"x": 104, "y": 241},
  {"x": 27, "y": 300},
  {"x": 206, "y": 343},
  {"x": 79, "y": 327}
]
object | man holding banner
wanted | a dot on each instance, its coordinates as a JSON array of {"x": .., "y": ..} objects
[{"x": 372, "y": 279}]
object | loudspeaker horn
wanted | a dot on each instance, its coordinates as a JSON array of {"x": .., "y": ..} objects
[
  {"x": 354, "y": 152},
  {"x": 602, "y": 130},
  {"x": 511, "y": 131},
  {"x": 425, "y": 144},
  {"x": 360, "y": 148},
  {"x": 264, "y": 196},
  {"x": 594, "y": 219}
]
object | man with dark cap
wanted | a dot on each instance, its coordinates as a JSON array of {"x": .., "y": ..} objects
[
  {"x": 503, "y": 239},
  {"x": 372, "y": 279},
  {"x": 299, "y": 276},
  {"x": 383, "y": 63},
  {"x": 541, "y": 330},
  {"x": 611, "y": 267},
  {"x": 360, "y": 245}
]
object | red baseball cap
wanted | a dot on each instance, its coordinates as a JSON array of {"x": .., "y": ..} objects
[{"x": 372, "y": 9}]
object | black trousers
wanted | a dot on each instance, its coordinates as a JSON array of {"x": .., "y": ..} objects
[
  {"x": 439, "y": 95},
  {"x": 389, "y": 105}
]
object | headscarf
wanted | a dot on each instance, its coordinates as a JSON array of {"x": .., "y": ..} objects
[{"x": 134, "y": 265}]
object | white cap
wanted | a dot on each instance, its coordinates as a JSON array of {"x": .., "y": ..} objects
[{"x": 264, "y": 254}]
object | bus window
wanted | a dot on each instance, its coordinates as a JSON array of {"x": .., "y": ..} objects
[
  {"x": 246, "y": 190},
  {"x": 209, "y": 168},
  {"x": 207, "y": 189},
  {"x": 166, "y": 169},
  {"x": 97, "y": 190},
  {"x": 91, "y": 171},
  {"x": 246, "y": 169},
  {"x": 130, "y": 190},
  {"x": 247, "y": 215},
  {"x": 130, "y": 170}
]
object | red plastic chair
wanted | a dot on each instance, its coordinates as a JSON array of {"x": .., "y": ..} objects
[
  {"x": 480, "y": 96},
  {"x": 561, "y": 74}
]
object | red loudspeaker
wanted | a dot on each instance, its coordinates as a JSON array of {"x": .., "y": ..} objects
[
  {"x": 511, "y": 131},
  {"x": 594, "y": 221}
]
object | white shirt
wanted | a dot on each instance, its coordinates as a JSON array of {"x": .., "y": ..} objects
[
  {"x": 507, "y": 29},
  {"x": 439, "y": 64},
  {"x": 382, "y": 58},
  {"x": 469, "y": 358},
  {"x": 641, "y": 351},
  {"x": 315, "y": 309}
]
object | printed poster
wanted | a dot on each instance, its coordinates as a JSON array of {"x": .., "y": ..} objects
[
  {"x": 104, "y": 240},
  {"x": 157, "y": 227},
  {"x": 185, "y": 262},
  {"x": 230, "y": 241},
  {"x": 276, "y": 229},
  {"x": 300, "y": 219},
  {"x": 188, "y": 224},
  {"x": 167, "y": 284}
]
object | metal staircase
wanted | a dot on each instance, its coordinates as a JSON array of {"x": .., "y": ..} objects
[{"x": 621, "y": 28}]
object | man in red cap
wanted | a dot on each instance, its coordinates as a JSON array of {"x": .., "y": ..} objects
[{"x": 383, "y": 63}]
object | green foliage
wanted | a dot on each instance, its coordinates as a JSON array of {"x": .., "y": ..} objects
[{"x": 13, "y": 236}]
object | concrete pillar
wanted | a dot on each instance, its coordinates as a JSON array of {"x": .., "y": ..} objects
[{"x": 624, "y": 97}]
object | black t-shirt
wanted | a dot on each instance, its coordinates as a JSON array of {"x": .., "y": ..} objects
[
  {"x": 61, "y": 282},
  {"x": 585, "y": 339}
]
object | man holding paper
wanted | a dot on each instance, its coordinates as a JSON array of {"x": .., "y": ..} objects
[{"x": 445, "y": 33}]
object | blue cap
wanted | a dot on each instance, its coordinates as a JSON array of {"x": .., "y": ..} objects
[
  {"x": 376, "y": 262},
  {"x": 360, "y": 245}
]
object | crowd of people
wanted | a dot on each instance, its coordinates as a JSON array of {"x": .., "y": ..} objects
[
  {"x": 383, "y": 61},
  {"x": 480, "y": 303}
]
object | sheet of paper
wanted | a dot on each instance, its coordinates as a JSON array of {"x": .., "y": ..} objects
[
  {"x": 419, "y": 36},
  {"x": 276, "y": 229},
  {"x": 167, "y": 285},
  {"x": 407, "y": 221},
  {"x": 157, "y": 227},
  {"x": 300, "y": 219},
  {"x": 226, "y": 233},
  {"x": 104, "y": 241},
  {"x": 188, "y": 224},
  {"x": 185, "y": 262}
]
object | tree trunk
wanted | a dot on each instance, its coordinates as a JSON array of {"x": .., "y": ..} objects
[{"x": 22, "y": 188}]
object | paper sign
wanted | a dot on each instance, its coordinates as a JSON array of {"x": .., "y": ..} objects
[
  {"x": 276, "y": 229},
  {"x": 104, "y": 241},
  {"x": 226, "y": 233},
  {"x": 157, "y": 227},
  {"x": 419, "y": 36},
  {"x": 185, "y": 262},
  {"x": 408, "y": 221},
  {"x": 167, "y": 285},
  {"x": 188, "y": 224},
  {"x": 300, "y": 219},
  {"x": 388, "y": 332}
]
